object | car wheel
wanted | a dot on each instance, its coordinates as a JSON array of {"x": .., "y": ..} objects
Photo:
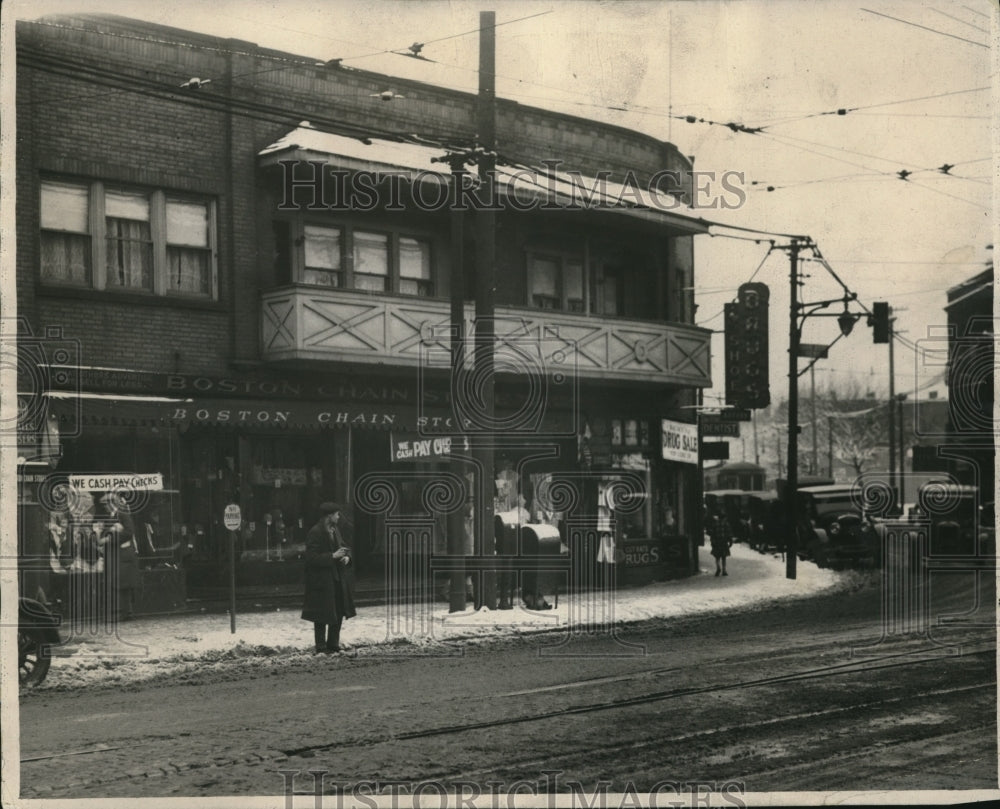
[{"x": 33, "y": 657}]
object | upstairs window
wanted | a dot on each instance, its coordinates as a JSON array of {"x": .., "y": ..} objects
[
  {"x": 415, "y": 267},
  {"x": 350, "y": 258},
  {"x": 371, "y": 261},
  {"x": 189, "y": 252},
  {"x": 323, "y": 258},
  {"x": 556, "y": 282},
  {"x": 65, "y": 239},
  {"x": 127, "y": 239}
]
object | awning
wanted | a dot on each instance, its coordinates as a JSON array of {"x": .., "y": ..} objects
[
  {"x": 540, "y": 184},
  {"x": 76, "y": 409}
]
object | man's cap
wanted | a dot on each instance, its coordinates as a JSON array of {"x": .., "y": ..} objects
[{"x": 330, "y": 508}]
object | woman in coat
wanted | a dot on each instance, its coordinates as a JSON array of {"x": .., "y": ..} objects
[{"x": 329, "y": 585}]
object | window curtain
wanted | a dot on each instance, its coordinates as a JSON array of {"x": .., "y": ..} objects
[{"x": 130, "y": 254}]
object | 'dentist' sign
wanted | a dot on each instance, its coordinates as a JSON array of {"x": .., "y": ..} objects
[{"x": 680, "y": 441}]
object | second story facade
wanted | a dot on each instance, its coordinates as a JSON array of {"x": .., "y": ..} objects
[{"x": 174, "y": 227}]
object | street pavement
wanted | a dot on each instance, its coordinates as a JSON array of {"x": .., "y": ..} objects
[{"x": 152, "y": 647}]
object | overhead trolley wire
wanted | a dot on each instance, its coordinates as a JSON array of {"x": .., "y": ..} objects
[{"x": 926, "y": 28}]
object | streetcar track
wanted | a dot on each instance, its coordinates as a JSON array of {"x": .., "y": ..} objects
[
  {"x": 853, "y": 667},
  {"x": 595, "y": 752},
  {"x": 588, "y": 753},
  {"x": 849, "y": 667}
]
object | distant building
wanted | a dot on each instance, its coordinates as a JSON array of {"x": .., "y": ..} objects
[{"x": 969, "y": 441}]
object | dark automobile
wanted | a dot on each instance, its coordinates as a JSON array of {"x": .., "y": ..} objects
[
  {"x": 37, "y": 633},
  {"x": 833, "y": 530},
  {"x": 766, "y": 524},
  {"x": 959, "y": 523}
]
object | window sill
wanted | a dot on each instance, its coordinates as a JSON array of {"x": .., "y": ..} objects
[{"x": 132, "y": 298}]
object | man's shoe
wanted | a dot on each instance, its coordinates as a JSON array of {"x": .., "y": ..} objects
[
  {"x": 332, "y": 650},
  {"x": 724, "y": 573},
  {"x": 718, "y": 572}
]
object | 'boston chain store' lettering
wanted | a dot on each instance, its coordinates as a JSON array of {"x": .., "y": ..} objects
[{"x": 239, "y": 416}]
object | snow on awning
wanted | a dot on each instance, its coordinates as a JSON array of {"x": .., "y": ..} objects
[{"x": 526, "y": 183}]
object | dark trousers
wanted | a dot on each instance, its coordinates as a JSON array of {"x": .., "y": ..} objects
[{"x": 327, "y": 635}]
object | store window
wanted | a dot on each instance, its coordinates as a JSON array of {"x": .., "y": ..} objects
[{"x": 128, "y": 239}]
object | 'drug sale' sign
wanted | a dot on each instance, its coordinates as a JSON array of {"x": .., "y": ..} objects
[{"x": 680, "y": 441}]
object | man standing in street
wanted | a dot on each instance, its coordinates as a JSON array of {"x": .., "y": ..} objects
[{"x": 329, "y": 580}]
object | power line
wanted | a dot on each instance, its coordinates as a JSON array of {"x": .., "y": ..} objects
[
  {"x": 987, "y": 16},
  {"x": 958, "y": 19},
  {"x": 846, "y": 110},
  {"x": 932, "y": 30}
]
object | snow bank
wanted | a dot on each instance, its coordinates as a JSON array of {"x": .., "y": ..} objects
[{"x": 199, "y": 646}]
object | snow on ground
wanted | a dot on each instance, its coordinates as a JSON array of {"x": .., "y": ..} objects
[{"x": 179, "y": 644}]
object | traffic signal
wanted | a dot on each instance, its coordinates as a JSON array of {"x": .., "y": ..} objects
[
  {"x": 880, "y": 322},
  {"x": 747, "y": 348}
]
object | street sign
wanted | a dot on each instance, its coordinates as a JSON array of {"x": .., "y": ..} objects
[
  {"x": 231, "y": 517},
  {"x": 720, "y": 429},
  {"x": 735, "y": 414},
  {"x": 814, "y": 351},
  {"x": 714, "y": 451}
]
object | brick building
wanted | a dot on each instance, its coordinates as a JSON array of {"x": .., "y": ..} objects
[{"x": 243, "y": 338}]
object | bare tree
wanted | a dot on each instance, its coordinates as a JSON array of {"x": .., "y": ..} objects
[{"x": 856, "y": 436}]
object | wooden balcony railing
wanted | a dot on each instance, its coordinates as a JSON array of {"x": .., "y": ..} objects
[{"x": 307, "y": 323}]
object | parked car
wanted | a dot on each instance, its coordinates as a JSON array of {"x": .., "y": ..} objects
[
  {"x": 833, "y": 530},
  {"x": 37, "y": 633},
  {"x": 956, "y": 516}
]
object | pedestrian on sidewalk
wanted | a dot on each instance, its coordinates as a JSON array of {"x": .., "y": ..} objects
[
  {"x": 721, "y": 541},
  {"x": 329, "y": 580}
]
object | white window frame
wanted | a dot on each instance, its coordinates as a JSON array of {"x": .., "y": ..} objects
[{"x": 97, "y": 224}]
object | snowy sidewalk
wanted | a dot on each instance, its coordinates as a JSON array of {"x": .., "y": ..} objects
[{"x": 152, "y": 647}]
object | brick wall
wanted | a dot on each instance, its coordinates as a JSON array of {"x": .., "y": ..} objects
[{"x": 99, "y": 98}]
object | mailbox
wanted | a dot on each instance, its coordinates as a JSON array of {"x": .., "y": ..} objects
[{"x": 540, "y": 543}]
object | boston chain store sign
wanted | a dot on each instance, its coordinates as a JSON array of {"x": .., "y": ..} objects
[{"x": 307, "y": 415}]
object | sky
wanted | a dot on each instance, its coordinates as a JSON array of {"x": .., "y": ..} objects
[{"x": 919, "y": 88}]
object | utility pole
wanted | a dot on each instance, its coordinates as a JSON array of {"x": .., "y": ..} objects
[
  {"x": 892, "y": 408},
  {"x": 792, "y": 476},
  {"x": 456, "y": 520},
  {"x": 756, "y": 450},
  {"x": 902, "y": 454},
  {"x": 484, "y": 436},
  {"x": 812, "y": 407},
  {"x": 829, "y": 447}
]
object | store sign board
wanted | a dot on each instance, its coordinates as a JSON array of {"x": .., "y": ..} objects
[
  {"x": 680, "y": 441},
  {"x": 715, "y": 450},
  {"x": 720, "y": 429},
  {"x": 412, "y": 448},
  {"x": 273, "y": 476},
  {"x": 231, "y": 517},
  {"x": 642, "y": 552},
  {"x": 110, "y": 482}
]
